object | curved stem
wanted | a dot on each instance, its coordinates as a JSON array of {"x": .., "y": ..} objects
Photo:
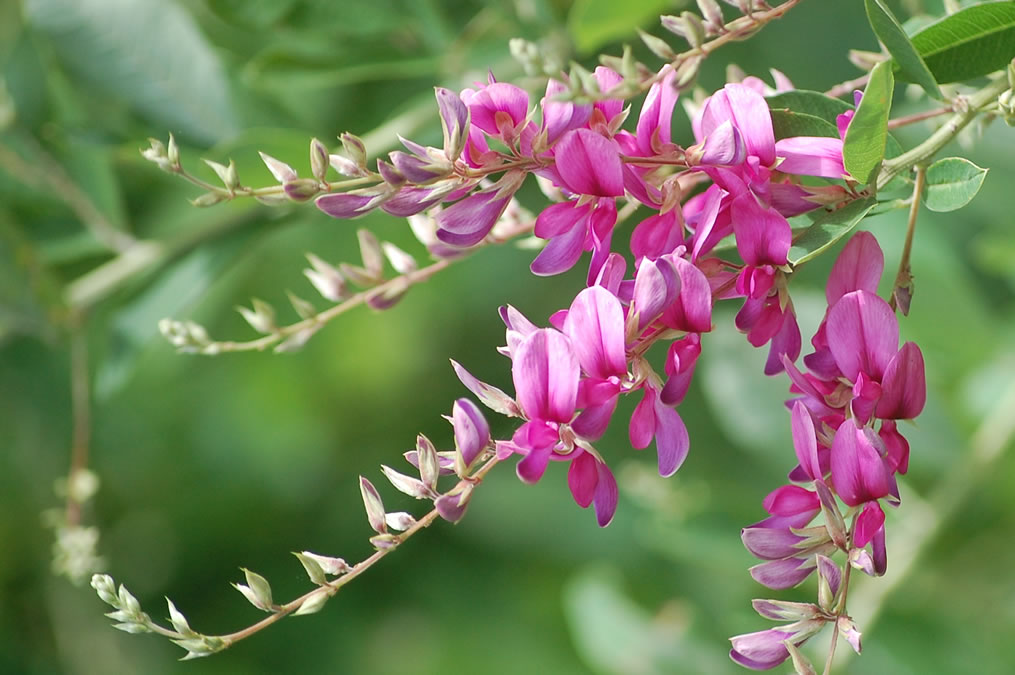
[{"x": 904, "y": 278}]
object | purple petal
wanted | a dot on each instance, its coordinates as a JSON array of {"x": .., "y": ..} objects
[
  {"x": 692, "y": 311},
  {"x": 454, "y": 121},
  {"x": 770, "y": 543},
  {"x": 871, "y": 519},
  {"x": 592, "y": 422},
  {"x": 582, "y": 478},
  {"x": 863, "y": 334},
  {"x": 545, "y": 372},
  {"x": 466, "y": 222},
  {"x": 498, "y": 97},
  {"x": 811, "y": 156},
  {"x": 672, "y": 440},
  {"x": 607, "y": 78},
  {"x": 345, "y": 204},
  {"x": 763, "y": 235},
  {"x": 780, "y": 574},
  {"x": 747, "y": 110},
  {"x": 492, "y": 397},
  {"x": 451, "y": 507},
  {"x": 904, "y": 387},
  {"x": 557, "y": 219},
  {"x": 762, "y": 650},
  {"x": 723, "y": 147},
  {"x": 589, "y": 164},
  {"x": 657, "y": 235},
  {"x": 606, "y": 495},
  {"x": 643, "y": 421},
  {"x": 561, "y": 116},
  {"x": 785, "y": 344},
  {"x": 410, "y": 201},
  {"x": 472, "y": 433},
  {"x": 533, "y": 465},
  {"x": 880, "y": 553},
  {"x": 656, "y": 286},
  {"x": 805, "y": 442},
  {"x": 595, "y": 324},
  {"x": 561, "y": 253},
  {"x": 859, "y": 474},
  {"x": 791, "y": 500},
  {"x": 654, "y": 122},
  {"x": 858, "y": 268},
  {"x": 830, "y": 573},
  {"x": 708, "y": 228}
]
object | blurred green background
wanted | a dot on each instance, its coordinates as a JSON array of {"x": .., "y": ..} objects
[{"x": 209, "y": 464}]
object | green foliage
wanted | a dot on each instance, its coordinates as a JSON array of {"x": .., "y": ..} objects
[
  {"x": 952, "y": 183},
  {"x": 828, "y": 229},
  {"x": 810, "y": 103},
  {"x": 969, "y": 43},
  {"x": 593, "y": 23},
  {"x": 150, "y": 55},
  {"x": 909, "y": 61},
  {"x": 788, "y": 123},
  {"x": 863, "y": 148}
]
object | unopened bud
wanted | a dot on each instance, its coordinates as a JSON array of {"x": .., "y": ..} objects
[
  {"x": 328, "y": 281},
  {"x": 713, "y": 15},
  {"x": 331, "y": 566},
  {"x": 301, "y": 189},
  {"x": 657, "y": 46},
  {"x": 261, "y": 318},
  {"x": 373, "y": 505},
  {"x": 314, "y": 603},
  {"x": 257, "y": 590},
  {"x": 354, "y": 148},
  {"x": 319, "y": 160},
  {"x": 280, "y": 170},
  {"x": 227, "y": 174},
  {"x": 208, "y": 199},
  {"x": 399, "y": 521}
]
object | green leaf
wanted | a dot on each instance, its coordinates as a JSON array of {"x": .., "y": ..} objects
[
  {"x": 864, "y": 145},
  {"x": 809, "y": 102},
  {"x": 149, "y": 54},
  {"x": 788, "y": 123},
  {"x": 969, "y": 43},
  {"x": 827, "y": 230},
  {"x": 952, "y": 183},
  {"x": 911, "y": 64},
  {"x": 593, "y": 23}
]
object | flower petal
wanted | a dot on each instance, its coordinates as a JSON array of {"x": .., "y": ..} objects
[
  {"x": 858, "y": 268},
  {"x": 589, "y": 164},
  {"x": 545, "y": 372},
  {"x": 863, "y": 334},
  {"x": 904, "y": 387},
  {"x": 595, "y": 325},
  {"x": 582, "y": 478},
  {"x": 606, "y": 495}
]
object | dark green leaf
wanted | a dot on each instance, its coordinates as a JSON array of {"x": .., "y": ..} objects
[
  {"x": 970, "y": 43},
  {"x": 593, "y": 23},
  {"x": 864, "y": 145},
  {"x": 149, "y": 54},
  {"x": 952, "y": 183},
  {"x": 788, "y": 123},
  {"x": 910, "y": 63},
  {"x": 809, "y": 102},
  {"x": 827, "y": 230}
]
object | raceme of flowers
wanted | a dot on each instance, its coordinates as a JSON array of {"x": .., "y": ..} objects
[{"x": 568, "y": 375}]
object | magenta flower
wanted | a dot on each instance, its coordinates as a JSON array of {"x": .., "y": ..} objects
[
  {"x": 467, "y": 222},
  {"x": 499, "y": 109},
  {"x": 653, "y": 419},
  {"x": 589, "y": 164},
  {"x": 561, "y": 116},
  {"x": 747, "y": 111},
  {"x": 571, "y": 229},
  {"x": 545, "y": 372},
  {"x": 654, "y": 122},
  {"x": 766, "y": 649},
  {"x": 592, "y": 482},
  {"x": 472, "y": 433},
  {"x": 860, "y": 472}
]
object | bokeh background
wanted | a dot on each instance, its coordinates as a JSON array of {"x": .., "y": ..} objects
[{"x": 209, "y": 464}]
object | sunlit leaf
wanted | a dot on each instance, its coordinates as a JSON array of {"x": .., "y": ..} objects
[
  {"x": 827, "y": 230},
  {"x": 149, "y": 54},
  {"x": 788, "y": 123},
  {"x": 809, "y": 102},
  {"x": 952, "y": 183},
  {"x": 972, "y": 42},
  {"x": 864, "y": 145},
  {"x": 891, "y": 34}
]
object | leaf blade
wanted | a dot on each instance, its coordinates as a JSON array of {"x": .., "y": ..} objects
[
  {"x": 952, "y": 183},
  {"x": 969, "y": 43},
  {"x": 863, "y": 148},
  {"x": 827, "y": 230},
  {"x": 887, "y": 28}
]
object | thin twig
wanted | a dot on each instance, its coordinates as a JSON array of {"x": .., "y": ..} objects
[
  {"x": 903, "y": 277},
  {"x": 81, "y": 415}
]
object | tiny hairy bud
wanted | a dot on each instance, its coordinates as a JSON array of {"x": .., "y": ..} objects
[
  {"x": 156, "y": 153},
  {"x": 847, "y": 629},
  {"x": 313, "y": 568},
  {"x": 427, "y": 462},
  {"x": 657, "y": 46},
  {"x": 261, "y": 318},
  {"x": 178, "y": 620},
  {"x": 257, "y": 590},
  {"x": 345, "y": 166},
  {"x": 105, "y": 587},
  {"x": 693, "y": 28},
  {"x": 319, "y": 160},
  {"x": 399, "y": 520},
  {"x": 407, "y": 484},
  {"x": 328, "y": 281},
  {"x": 373, "y": 505},
  {"x": 331, "y": 566},
  {"x": 301, "y": 189},
  {"x": 227, "y": 174},
  {"x": 313, "y": 603},
  {"x": 354, "y": 148},
  {"x": 687, "y": 73},
  {"x": 402, "y": 262},
  {"x": 370, "y": 251},
  {"x": 713, "y": 15},
  {"x": 208, "y": 199},
  {"x": 302, "y": 307},
  {"x": 385, "y": 541},
  {"x": 801, "y": 664},
  {"x": 280, "y": 170},
  {"x": 173, "y": 154}
]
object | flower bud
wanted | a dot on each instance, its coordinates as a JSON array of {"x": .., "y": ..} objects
[
  {"x": 399, "y": 520},
  {"x": 407, "y": 484},
  {"x": 472, "y": 434},
  {"x": 328, "y": 281},
  {"x": 319, "y": 160},
  {"x": 178, "y": 620},
  {"x": 373, "y": 505},
  {"x": 331, "y": 566},
  {"x": 354, "y": 148},
  {"x": 280, "y": 170},
  {"x": 261, "y": 318},
  {"x": 657, "y": 46},
  {"x": 256, "y": 590},
  {"x": 313, "y": 603}
]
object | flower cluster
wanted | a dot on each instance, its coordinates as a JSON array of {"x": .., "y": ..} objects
[{"x": 858, "y": 385}]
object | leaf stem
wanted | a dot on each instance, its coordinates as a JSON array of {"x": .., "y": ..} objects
[{"x": 904, "y": 278}]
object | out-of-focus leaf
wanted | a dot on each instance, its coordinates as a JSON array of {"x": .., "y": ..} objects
[
  {"x": 809, "y": 102},
  {"x": 173, "y": 291},
  {"x": 254, "y": 13},
  {"x": 149, "y": 54},
  {"x": 90, "y": 166},
  {"x": 911, "y": 64},
  {"x": 788, "y": 123},
  {"x": 864, "y": 145},
  {"x": 25, "y": 79},
  {"x": 28, "y": 294},
  {"x": 593, "y": 23},
  {"x": 827, "y": 230},
  {"x": 971, "y": 42},
  {"x": 952, "y": 183}
]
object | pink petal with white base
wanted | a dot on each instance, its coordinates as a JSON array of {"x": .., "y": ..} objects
[
  {"x": 589, "y": 164},
  {"x": 863, "y": 334},
  {"x": 545, "y": 372}
]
